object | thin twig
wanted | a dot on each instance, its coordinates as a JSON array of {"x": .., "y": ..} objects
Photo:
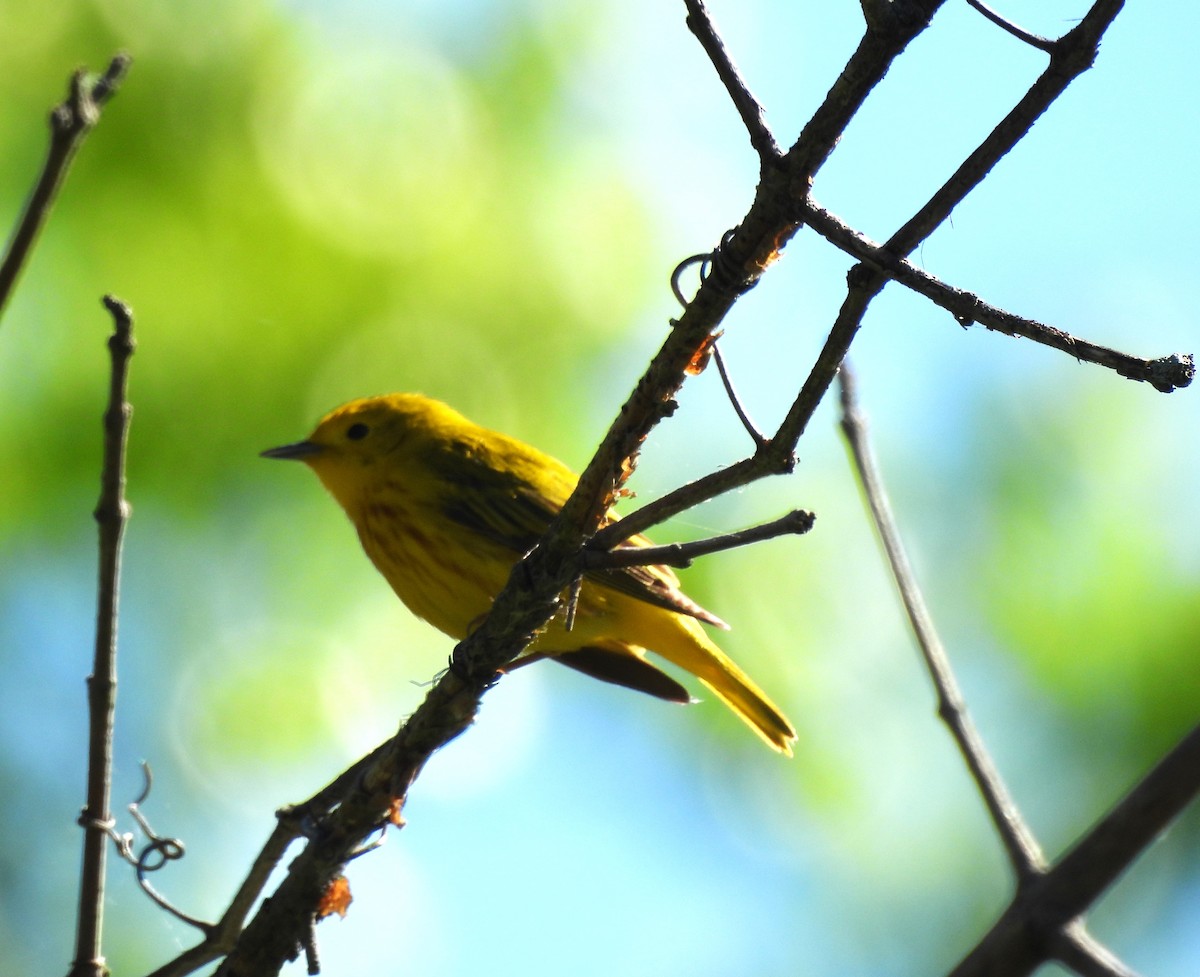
[
  {"x": 748, "y": 107},
  {"x": 70, "y": 122},
  {"x": 1075, "y": 53},
  {"x": 687, "y": 496},
  {"x": 1023, "y": 851},
  {"x": 1031, "y": 929},
  {"x": 755, "y": 435},
  {"x": 795, "y": 523},
  {"x": 1033, "y": 40},
  {"x": 1081, "y": 952},
  {"x": 222, "y": 937},
  {"x": 112, "y": 512},
  {"x": 1166, "y": 373},
  {"x": 1082, "y": 875}
]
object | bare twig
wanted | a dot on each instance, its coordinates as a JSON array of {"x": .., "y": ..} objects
[
  {"x": 1084, "y": 954},
  {"x": 1044, "y": 920},
  {"x": 1095, "y": 862},
  {"x": 1032, "y": 928},
  {"x": 755, "y": 435},
  {"x": 687, "y": 496},
  {"x": 1033, "y": 40},
  {"x": 70, "y": 122},
  {"x": 795, "y": 523},
  {"x": 1166, "y": 373},
  {"x": 1024, "y": 854},
  {"x": 1074, "y": 53},
  {"x": 111, "y": 514},
  {"x": 221, "y": 938},
  {"x": 748, "y": 107},
  {"x": 765, "y": 228}
]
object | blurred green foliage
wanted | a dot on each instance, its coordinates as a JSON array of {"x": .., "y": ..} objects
[{"x": 293, "y": 226}]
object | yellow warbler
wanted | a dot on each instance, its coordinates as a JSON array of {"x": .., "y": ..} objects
[{"x": 444, "y": 508}]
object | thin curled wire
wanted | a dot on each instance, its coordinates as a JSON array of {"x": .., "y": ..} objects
[
  {"x": 710, "y": 261},
  {"x": 154, "y": 855},
  {"x": 714, "y": 264}
]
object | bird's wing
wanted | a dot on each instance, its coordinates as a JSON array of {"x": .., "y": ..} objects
[{"x": 507, "y": 509}]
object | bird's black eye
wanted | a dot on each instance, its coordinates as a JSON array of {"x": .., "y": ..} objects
[{"x": 356, "y": 432}]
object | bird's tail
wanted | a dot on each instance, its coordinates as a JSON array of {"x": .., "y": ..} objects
[{"x": 688, "y": 646}]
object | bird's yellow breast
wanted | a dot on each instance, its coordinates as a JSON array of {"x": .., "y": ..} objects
[{"x": 441, "y": 574}]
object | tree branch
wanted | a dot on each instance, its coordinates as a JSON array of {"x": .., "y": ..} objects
[
  {"x": 1031, "y": 929},
  {"x": 753, "y": 117},
  {"x": 1024, "y": 853},
  {"x": 1084, "y": 954},
  {"x": 1033, "y": 40},
  {"x": 774, "y": 216},
  {"x": 1167, "y": 373},
  {"x": 111, "y": 514},
  {"x": 70, "y": 122},
  {"x": 795, "y": 523},
  {"x": 1074, "y": 53}
]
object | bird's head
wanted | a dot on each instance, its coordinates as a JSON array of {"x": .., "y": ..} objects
[{"x": 365, "y": 442}]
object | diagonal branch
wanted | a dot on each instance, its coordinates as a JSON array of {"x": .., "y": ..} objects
[
  {"x": 1044, "y": 920},
  {"x": 70, "y": 122},
  {"x": 1032, "y": 928},
  {"x": 1033, "y": 40},
  {"x": 1024, "y": 853},
  {"x": 764, "y": 230},
  {"x": 1083, "y": 874},
  {"x": 1167, "y": 373},
  {"x": 748, "y": 107},
  {"x": 795, "y": 523},
  {"x": 1074, "y": 53}
]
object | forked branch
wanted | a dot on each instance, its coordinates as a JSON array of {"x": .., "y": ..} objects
[
  {"x": 371, "y": 795},
  {"x": 1044, "y": 920},
  {"x": 1167, "y": 373}
]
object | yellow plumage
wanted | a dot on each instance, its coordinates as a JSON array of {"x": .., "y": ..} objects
[{"x": 444, "y": 508}]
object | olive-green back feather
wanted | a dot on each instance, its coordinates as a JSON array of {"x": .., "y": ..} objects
[{"x": 498, "y": 502}]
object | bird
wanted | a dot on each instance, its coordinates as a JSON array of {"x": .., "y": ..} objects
[{"x": 444, "y": 508}]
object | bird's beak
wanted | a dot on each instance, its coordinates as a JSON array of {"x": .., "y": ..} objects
[{"x": 298, "y": 451}]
